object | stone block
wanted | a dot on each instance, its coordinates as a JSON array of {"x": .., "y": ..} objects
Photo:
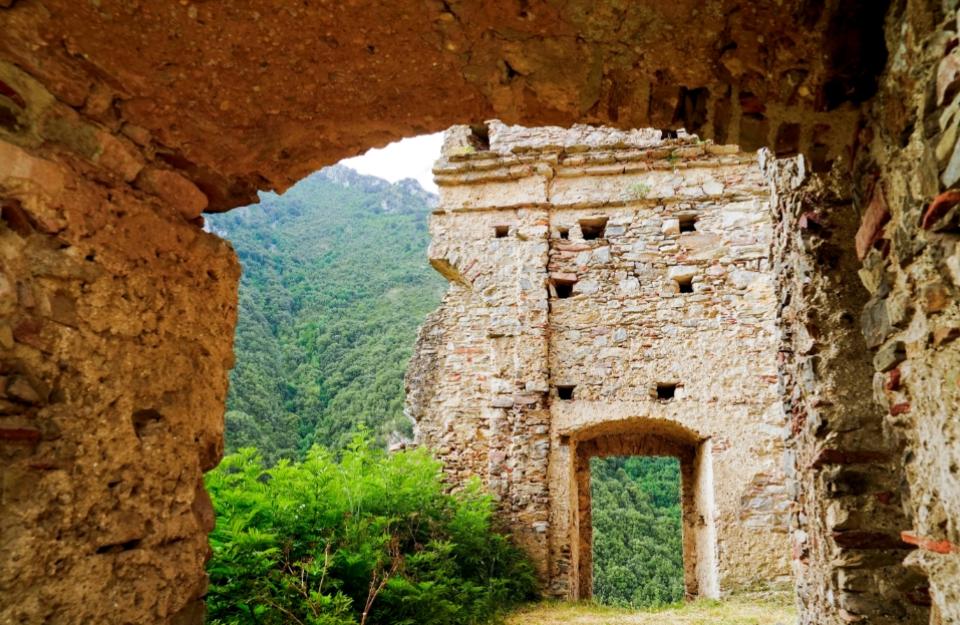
[
  {"x": 174, "y": 189},
  {"x": 682, "y": 272},
  {"x": 873, "y": 221},
  {"x": 889, "y": 356}
]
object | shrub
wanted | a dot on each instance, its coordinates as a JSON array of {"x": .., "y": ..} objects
[{"x": 371, "y": 539}]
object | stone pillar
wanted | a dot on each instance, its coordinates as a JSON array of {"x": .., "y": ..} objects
[
  {"x": 842, "y": 462},
  {"x": 115, "y": 339},
  {"x": 908, "y": 180}
]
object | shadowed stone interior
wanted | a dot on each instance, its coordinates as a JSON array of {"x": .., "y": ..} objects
[{"x": 122, "y": 122}]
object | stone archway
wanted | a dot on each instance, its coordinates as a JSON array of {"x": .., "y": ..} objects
[
  {"x": 640, "y": 437},
  {"x": 121, "y": 122}
]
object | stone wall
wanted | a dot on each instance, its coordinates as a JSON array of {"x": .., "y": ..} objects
[
  {"x": 120, "y": 123},
  {"x": 842, "y": 462},
  {"x": 116, "y": 321},
  {"x": 907, "y": 173},
  {"x": 570, "y": 254}
]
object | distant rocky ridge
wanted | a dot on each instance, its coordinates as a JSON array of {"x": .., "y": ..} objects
[{"x": 397, "y": 194}]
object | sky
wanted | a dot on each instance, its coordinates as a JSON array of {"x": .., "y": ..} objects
[{"x": 408, "y": 158}]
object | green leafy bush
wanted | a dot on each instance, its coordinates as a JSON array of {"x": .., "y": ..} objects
[{"x": 371, "y": 539}]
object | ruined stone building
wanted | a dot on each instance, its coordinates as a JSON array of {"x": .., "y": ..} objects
[
  {"x": 121, "y": 123},
  {"x": 611, "y": 294}
]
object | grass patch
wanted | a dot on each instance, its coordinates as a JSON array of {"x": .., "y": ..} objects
[{"x": 767, "y": 609}]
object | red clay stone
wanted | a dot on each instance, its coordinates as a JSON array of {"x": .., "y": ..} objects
[
  {"x": 871, "y": 225},
  {"x": 939, "y": 207},
  {"x": 929, "y": 544},
  {"x": 893, "y": 380},
  {"x": 19, "y": 434},
  {"x": 900, "y": 408}
]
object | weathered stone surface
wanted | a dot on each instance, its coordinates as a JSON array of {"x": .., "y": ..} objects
[
  {"x": 212, "y": 83},
  {"x": 117, "y": 307},
  {"x": 174, "y": 190},
  {"x": 206, "y": 89},
  {"x": 596, "y": 316},
  {"x": 889, "y": 356},
  {"x": 846, "y": 517}
]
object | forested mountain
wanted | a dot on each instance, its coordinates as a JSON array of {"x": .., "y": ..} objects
[{"x": 335, "y": 283}]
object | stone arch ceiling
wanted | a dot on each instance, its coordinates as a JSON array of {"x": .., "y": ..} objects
[{"x": 250, "y": 94}]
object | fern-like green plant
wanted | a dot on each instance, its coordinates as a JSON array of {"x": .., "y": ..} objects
[{"x": 369, "y": 539}]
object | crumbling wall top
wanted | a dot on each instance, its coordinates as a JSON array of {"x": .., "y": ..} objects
[{"x": 500, "y": 138}]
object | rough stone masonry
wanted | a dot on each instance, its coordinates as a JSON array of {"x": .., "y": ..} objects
[
  {"x": 120, "y": 122},
  {"x": 611, "y": 294}
]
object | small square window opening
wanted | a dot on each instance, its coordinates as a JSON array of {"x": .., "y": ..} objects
[
  {"x": 666, "y": 391},
  {"x": 593, "y": 228},
  {"x": 563, "y": 288}
]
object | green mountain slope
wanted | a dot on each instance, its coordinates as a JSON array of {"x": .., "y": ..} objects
[{"x": 335, "y": 283}]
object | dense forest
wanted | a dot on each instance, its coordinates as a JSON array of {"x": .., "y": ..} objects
[
  {"x": 335, "y": 283},
  {"x": 637, "y": 539}
]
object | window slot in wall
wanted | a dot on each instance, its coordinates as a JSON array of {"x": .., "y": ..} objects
[
  {"x": 593, "y": 228},
  {"x": 685, "y": 285},
  {"x": 563, "y": 288},
  {"x": 501, "y": 232},
  {"x": 564, "y": 233},
  {"x": 688, "y": 223},
  {"x": 666, "y": 391},
  {"x": 565, "y": 391}
]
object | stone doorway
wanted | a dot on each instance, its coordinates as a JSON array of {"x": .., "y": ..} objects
[{"x": 652, "y": 438}]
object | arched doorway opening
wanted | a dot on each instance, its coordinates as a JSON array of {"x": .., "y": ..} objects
[{"x": 647, "y": 437}]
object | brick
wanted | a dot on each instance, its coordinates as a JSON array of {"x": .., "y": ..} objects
[
  {"x": 892, "y": 382},
  {"x": 871, "y": 224},
  {"x": 929, "y": 544},
  {"x": 939, "y": 207},
  {"x": 899, "y": 409},
  {"x": 19, "y": 435}
]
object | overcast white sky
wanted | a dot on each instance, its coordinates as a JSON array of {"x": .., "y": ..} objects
[{"x": 407, "y": 158}]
